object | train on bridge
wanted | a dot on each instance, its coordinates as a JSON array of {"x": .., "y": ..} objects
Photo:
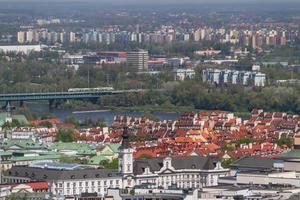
[{"x": 97, "y": 89}]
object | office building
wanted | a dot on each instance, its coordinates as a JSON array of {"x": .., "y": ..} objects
[{"x": 138, "y": 59}]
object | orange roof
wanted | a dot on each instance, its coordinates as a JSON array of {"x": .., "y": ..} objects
[
  {"x": 212, "y": 147},
  {"x": 193, "y": 132},
  {"x": 38, "y": 185},
  {"x": 51, "y": 121},
  {"x": 260, "y": 127}
]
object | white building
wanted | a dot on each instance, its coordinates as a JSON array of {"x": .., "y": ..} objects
[
  {"x": 72, "y": 37},
  {"x": 25, "y": 49},
  {"x": 22, "y": 135},
  {"x": 21, "y": 37},
  {"x": 225, "y": 76},
  {"x": 259, "y": 79},
  {"x": 29, "y": 36},
  {"x": 192, "y": 172},
  {"x": 5, "y": 191},
  {"x": 181, "y": 74}
]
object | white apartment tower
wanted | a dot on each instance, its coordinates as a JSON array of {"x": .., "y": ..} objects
[
  {"x": 72, "y": 37},
  {"x": 21, "y": 37},
  {"x": 29, "y": 36}
]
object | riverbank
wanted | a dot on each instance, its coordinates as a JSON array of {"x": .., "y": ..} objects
[
  {"x": 84, "y": 107},
  {"x": 155, "y": 108}
]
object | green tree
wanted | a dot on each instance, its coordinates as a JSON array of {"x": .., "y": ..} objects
[
  {"x": 110, "y": 164},
  {"x": 65, "y": 135}
]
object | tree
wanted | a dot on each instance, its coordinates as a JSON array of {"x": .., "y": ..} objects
[
  {"x": 71, "y": 120},
  {"x": 114, "y": 164},
  {"x": 10, "y": 125},
  {"x": 227, "y": 162},
  {"x": 244, "y": 140},
  {"x": 285, "y": 140},
  {"x": 65, "y": 135}
]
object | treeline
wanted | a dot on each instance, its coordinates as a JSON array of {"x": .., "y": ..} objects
[{"x": 232, "y": 98}]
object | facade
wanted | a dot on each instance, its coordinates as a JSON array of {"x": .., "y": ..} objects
[
  {"x": 153, "y": 194},
  {"x": 25, "y": 49},
  {"x": 226, "y": 76},
  {"x": 5, "y": 191},
  {"x": 21, "y": 37},
  {"x": 181, "y": 74},
  {"x": 22, "y": 134},
  {"x": 192, "y": 172},
  {"x": 138, "y": 59}
]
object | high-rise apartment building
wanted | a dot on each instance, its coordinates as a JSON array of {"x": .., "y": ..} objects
[
  {"x": 21, "y": 37},
  {"x": 138, "y": 59},
  {"x": 72, "y": 37},
  {"x": 29, "y": 36}
]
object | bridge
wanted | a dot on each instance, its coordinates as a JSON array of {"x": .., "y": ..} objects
[{"x": 55, "y": 96}]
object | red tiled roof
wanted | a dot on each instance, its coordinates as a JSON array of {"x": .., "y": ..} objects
[{"x": 38, "y": 185}]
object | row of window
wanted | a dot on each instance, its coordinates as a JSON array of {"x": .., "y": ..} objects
[{"x": 105, "y": 183}]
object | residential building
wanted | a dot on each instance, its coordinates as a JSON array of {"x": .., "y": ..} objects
[
  {"x": 226, "y": 76},
  {"x": 192, "y": 172},
  {"x": 181, "y": 74},
  {"x": 21, "y": 37},
  {"x": 138, "y": 59}
]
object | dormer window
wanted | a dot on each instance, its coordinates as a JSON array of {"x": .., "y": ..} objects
[
  {"x": 167, "y": 164},
  {"x": 73, "y": 176}
]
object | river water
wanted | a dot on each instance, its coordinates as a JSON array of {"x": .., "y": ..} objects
[{"x": 107, "y": 115}]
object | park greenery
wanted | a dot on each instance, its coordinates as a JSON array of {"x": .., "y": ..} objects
[
  {"x": 113, "y": 164},
  {"x": 13, "y": 124},
  {"x": 65, "y": 135},
  {"x": 43, "y": 72}
]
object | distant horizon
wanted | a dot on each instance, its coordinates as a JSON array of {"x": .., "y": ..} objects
[{"x": 159, "y": 2}]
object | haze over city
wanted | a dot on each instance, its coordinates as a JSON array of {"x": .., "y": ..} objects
[{"x": 148, "y": 100}]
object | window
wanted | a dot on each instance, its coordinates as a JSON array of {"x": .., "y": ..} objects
[
  {"x": 86, "y": 183},
  {"x": 80, "y": 184},
  {"x": 117, "y": 182},
  {"x": 93, "y": 183},
  {"x": 68, "y": 184},
  {"x": 104, "y": 183},
  {"x": 99, "y": 183}
]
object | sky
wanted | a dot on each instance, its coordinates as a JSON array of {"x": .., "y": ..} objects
[{"x": 167, "y": 1}]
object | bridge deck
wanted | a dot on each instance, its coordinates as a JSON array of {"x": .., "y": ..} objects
[{"x": 62, "y": 95}]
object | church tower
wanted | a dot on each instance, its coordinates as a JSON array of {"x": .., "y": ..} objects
[{"x": 125, "y": 155}]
